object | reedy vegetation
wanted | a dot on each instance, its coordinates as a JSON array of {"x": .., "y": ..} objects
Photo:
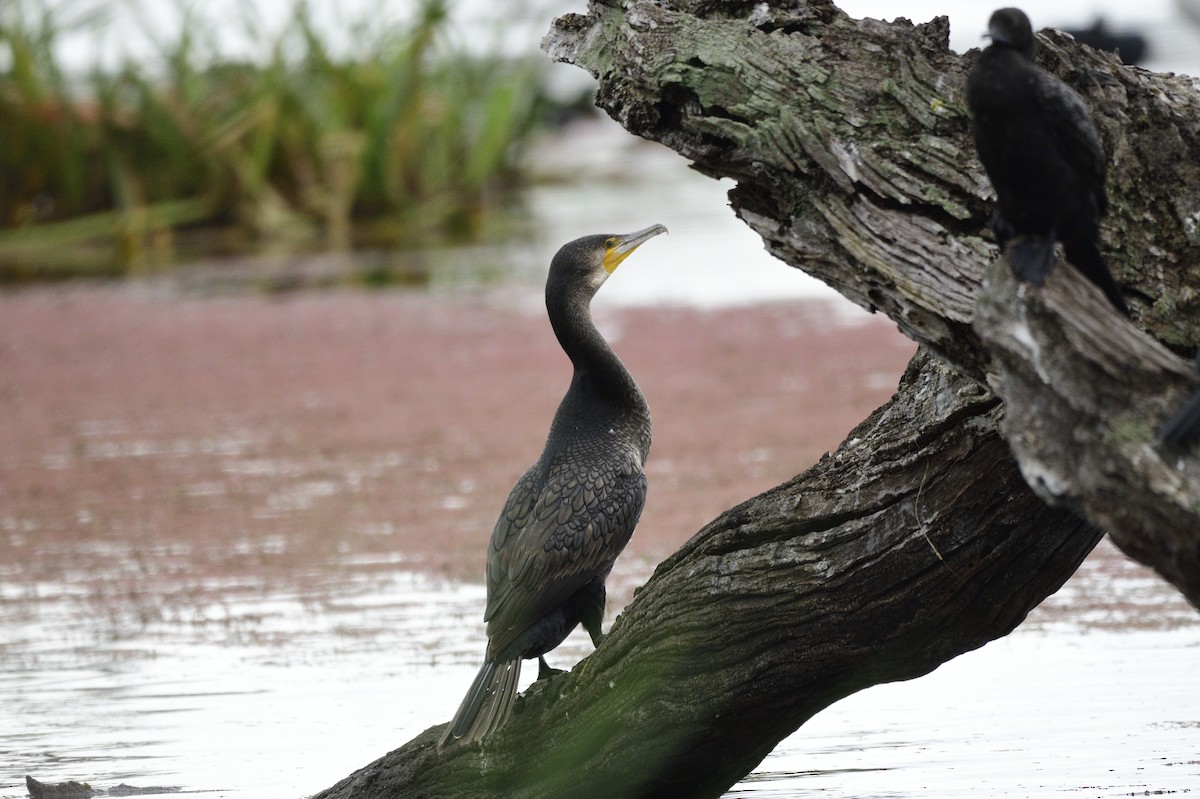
[{"x": 408, "y": 139}]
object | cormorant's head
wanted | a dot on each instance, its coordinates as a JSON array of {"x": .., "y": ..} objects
[
  {"x": 1009, "y": 27},
  {"x": 590, "y": 260}
]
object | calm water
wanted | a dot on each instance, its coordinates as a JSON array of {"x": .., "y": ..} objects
[
  {"x": 259, "y": 689},
  {"x": 127, "y": 660}
]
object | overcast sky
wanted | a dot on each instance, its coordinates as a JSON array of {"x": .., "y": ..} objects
[{"x": 519, "y": 24}]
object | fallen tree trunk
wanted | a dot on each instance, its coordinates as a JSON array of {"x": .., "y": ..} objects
[
  {"x": 918, "y": 539},
  {"x": 915, "y": 541}
]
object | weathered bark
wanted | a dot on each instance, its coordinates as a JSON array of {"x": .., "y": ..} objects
[
  {"x": 1082, "y": 388},
  {"x": 918, "y": 539}
]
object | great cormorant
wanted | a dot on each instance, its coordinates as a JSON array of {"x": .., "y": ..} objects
[
  {"x": 573, "y": 511},
  {"x": 1043, "y": 156}
]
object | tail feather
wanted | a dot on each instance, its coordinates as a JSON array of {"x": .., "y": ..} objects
[
  {"x": 1184, "y": 428},
  {"x": 506, "y": 695},
  {"x": 486, "y": 706},
  {"x": 1087, "y": 259}
]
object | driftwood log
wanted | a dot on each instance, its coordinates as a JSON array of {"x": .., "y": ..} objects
[{"x": 1020, "y": 433}]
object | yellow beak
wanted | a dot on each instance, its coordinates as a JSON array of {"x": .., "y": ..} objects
[{"x": 620, "y": 247}]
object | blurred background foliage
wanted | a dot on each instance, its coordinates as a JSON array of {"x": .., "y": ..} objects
[{"x": 412, "y": 139}]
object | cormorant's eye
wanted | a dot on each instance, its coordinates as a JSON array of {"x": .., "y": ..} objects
[{"x": 610, "y": 243}]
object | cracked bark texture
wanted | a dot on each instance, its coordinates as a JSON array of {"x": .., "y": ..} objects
[
  {"x": 919, "y": 538},
  {"x": 1082, "y": 387},
  {"x": 850, "y": 143}
]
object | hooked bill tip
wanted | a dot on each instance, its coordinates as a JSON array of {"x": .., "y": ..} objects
[{"x": 631, "y": 241}]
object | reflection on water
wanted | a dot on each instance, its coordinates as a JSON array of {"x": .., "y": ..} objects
[
  {"x": 595, "y": 178},
  {"x": 260, "y": 691},
  {"x": 278, "y": 689}
]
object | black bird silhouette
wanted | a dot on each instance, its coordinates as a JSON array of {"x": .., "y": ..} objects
[
  {"x": 573, "y": 511},
  {"x": 1130, "y": 47},
  {"x": 1043, "y": 156}
]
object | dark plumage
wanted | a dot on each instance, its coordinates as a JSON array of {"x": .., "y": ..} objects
[
  {"x": 573, "y": 511},
  {"x": 1129, "y": 47},
  {"x": 1043, "y": 156}
]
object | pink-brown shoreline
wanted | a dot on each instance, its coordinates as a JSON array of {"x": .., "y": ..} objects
[{"x": 256, "y": 433}]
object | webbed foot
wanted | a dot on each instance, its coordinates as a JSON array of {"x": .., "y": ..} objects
[{"x": 545, "y": 670}]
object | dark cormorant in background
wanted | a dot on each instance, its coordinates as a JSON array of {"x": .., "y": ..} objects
[
  {"x": 1130, "y": 47},
  {"x": 1043, "y": 156},
  {"x": 572, "y": 512}
]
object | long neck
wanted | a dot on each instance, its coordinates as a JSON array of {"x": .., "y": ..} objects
[
  {"x": 598, "y": 371},
  {"x": 1002, "y": 52}
]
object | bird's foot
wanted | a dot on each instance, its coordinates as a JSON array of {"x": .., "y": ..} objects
[
  {"x": 545, "y": 670},
  {"x": 1031, "y": 259}
]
